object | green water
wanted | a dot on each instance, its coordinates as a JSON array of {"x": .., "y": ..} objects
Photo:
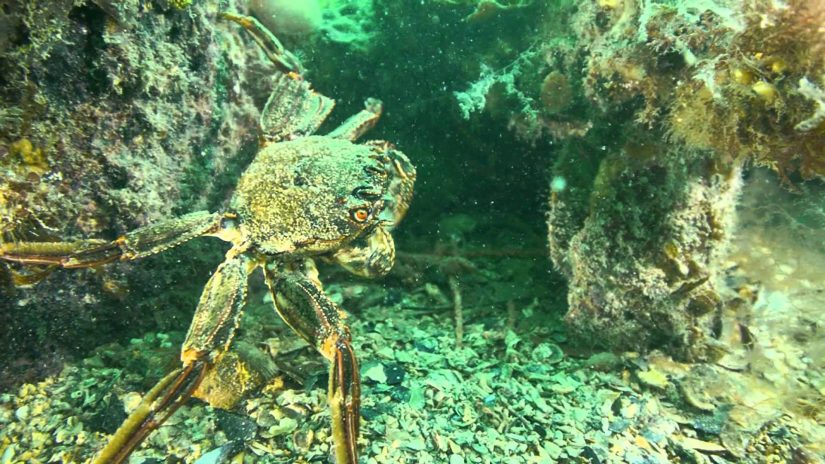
[{"x": 613, "y": 252}]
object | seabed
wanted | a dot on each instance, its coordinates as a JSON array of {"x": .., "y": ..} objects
[{"x": 514, "y": 391}]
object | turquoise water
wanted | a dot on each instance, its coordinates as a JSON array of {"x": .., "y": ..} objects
[{"x": 612, "y": 252}]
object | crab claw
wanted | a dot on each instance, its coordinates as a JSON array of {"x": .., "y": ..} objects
[{"x": 344, "y": 399}]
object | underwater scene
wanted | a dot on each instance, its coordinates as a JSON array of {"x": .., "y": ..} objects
[{"x": 412, "y": 231}]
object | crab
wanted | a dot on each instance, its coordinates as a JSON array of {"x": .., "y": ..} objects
[{"x": 303, "y": 197}]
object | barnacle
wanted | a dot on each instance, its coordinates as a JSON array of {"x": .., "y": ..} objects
[
  {"x": 180, "y": 4},
  {"x": 765, "y": 91},
  {"x": 556, "y": 92},
  {"x": 30, "y": 159},
  {"x": 742, "y": 76}
]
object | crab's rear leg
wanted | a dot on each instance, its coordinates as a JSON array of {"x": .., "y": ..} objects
[
  {"x": 301, "y": 302},
  {"x": 134, "y": 245},
  {"x": 210, "y": 334},
  {"x": 293, "y": 108},
  {"x": 272, "y": 47}
]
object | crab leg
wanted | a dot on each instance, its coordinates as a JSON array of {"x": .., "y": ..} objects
[
  {"x": 134, "y": 245},
  {"x": 293, "y": 109},
  {"x": 302, "y": 304},
  {"x": 371, "y": 256},
  {"x": 275, "y": 51},
  {"x": 358, "y": 124},
  {"x": 210, "y": 334},
  {"x": 156, "y": 407}
]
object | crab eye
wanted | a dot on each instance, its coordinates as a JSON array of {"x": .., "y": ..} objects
[{"x": 360, "y": 214}]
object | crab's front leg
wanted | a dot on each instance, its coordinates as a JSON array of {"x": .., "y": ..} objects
[
  {"x": 301, "y": 302},
  {"x": 212, "y": 329},
  {"x": 136, "y": 244},
  {"x": 369, "y": 256}
]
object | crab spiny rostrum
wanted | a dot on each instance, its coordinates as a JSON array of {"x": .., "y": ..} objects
[{"x": 304, "y": 196}]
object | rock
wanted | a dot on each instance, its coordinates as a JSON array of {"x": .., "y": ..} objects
[
  {"x": 417, "y": 399},
  {"x": 594, "y": 455},
  {"x": 284, "y": 426},
  {"x": 8, "y": 455},
  {"x": 426, "y": 345},
  {"x": 222, "y": 454},
  {"x": 236, "y": 427},
  {"x": 383, "y": 373},
  {"x": 395, "y": 373},
  {"x": 653, "y": 378},
  {"x": 712, "y": 424},
  {"x": 547, "y": 353},
  {"x": 699, "y": 445},
  {"x": 374, "y": 372},
  {"x": 400, "y": 394},
  {"x": 603, "y": 362},
  {"x": 22, "y": 413},
  {"x": 369, "y": 413},
  {"x": 553, "y": 449},
  {"x": 109, "y": 417}
]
